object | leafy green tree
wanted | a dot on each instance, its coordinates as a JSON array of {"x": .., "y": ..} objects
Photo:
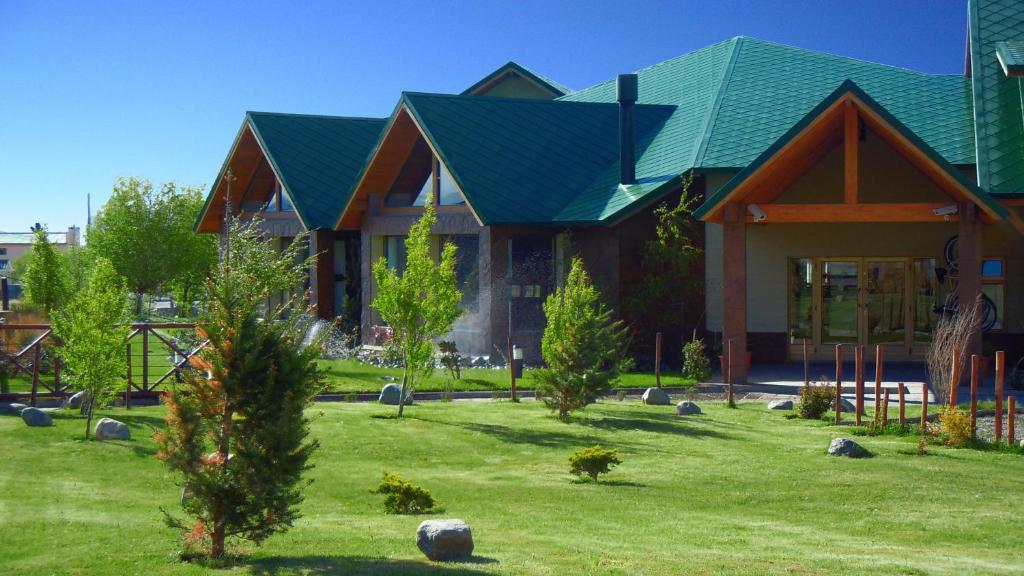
[
  {"x": 93, "y": 329},
  {"x": 196, "y": 254},
  {"x": 236, "y": 432},
  {"x": 670, "y": 278},
  {"x": 147, "y": 234},
  {"x": 44, "y": 280},
  {"x": 420, "y": 303},
  {"x": 78, "y": 265},
  {"x": 584, "y": 348}
]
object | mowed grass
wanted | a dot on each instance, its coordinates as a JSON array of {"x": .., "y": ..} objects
[
  {"x": 730, "y": 492},
  {"x": 353, "y": 376}
]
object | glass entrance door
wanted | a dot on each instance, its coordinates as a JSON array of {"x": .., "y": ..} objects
[
  {"x": 885, "y": 295},
  {"x": 840, "y": 301}
]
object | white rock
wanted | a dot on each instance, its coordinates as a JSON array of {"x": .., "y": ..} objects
[
  {"x": 443, "y": 540},
  {"x": 656, "y": 397},
  {"x": 110, "y": 429}
]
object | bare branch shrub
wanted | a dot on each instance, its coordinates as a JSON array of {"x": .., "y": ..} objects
[{"x": 952, "y": 332}]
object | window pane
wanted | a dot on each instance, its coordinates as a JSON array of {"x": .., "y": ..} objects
[
  {"x": 925, "y": 289},
  {"x": 839, "y": 291},
  {"x": 997, "y": 294},
  {"x": 885, "y": 290},
  {"x": 800, "y": 298},
  {"x": 286, "y": 204},
  {"x": 271, "y": 204},
  {"x": 394, "y": 252},
  {"x": 413, "y": 184},
  {"x": 992, "y": 268},
  {"x": 449, "y": 195},
  {"x": 339, "y": 259}
]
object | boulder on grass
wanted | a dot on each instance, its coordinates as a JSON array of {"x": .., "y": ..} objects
[
  {"x": 75, "y": 400},
  {"x": 110, "y": 429},
  {"x": 686, "y": 408},
  {"x": 390, "y": 394},
  {"x": 36, "y": 417},
  {"x": 847, "y": 405},
  {"x": 846, "y": 447},
  {"x": 780, "y": 405},
  {"x": 656, "y": 397},
  {"x": 443, "y": 540}
]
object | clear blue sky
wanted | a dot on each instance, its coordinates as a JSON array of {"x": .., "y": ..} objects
[{"x": 91, "y": 90}]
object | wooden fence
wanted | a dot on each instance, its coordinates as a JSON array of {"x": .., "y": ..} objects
[{"x": 152, "y": 359}]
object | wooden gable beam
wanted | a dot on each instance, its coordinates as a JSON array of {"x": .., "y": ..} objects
[
  {"x": 852, "y": 213},
  {"x": 850, "y": 152}
]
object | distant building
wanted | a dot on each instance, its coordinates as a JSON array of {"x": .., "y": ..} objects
[{"x": 14, "y": 244}]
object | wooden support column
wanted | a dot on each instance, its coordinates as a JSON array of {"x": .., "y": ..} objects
[
  {"x": 322, "y": 275},
  {"x": 969, "y": 248},
  {"x": 734, "y": 289},
  {"x": 850, "y": 153}
]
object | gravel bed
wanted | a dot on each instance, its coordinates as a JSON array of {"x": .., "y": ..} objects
[{"x": 987, "y": 427}]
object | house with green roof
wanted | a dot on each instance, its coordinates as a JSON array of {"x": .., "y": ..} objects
[{"x": 844, "y": 201}]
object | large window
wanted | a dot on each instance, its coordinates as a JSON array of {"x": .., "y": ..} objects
[
  {"x": 993, "y": 285},
  {"x": 926, "y": 288},
  {"x": 801, "y": 299},
  {"x": 421, "y": 177},
  {"x": 394, "y": 252}
]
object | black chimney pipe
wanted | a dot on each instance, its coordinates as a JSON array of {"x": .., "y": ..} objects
[
  {"x": 5, "y": 297},
  {"x": 627, "y": 93}
]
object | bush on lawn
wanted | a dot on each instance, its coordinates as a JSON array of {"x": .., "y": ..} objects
[
  {"x": 696, "y": 365},
  {"x": 593, "y": 461},
  {"x": 815, "y": 401},
  {"x": 956, "y": 425},
  {"x": 404, "y": 497}
]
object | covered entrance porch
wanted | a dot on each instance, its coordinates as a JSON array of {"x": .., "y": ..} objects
[{"x": 839, "y": 234}]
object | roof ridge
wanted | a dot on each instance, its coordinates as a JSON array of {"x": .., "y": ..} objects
[
  {"x": 299, "y": 114},
  {"x": 849, "y": 58},
  {"x": 527, "y": 101},
  {"x": 712, "y": 115}
]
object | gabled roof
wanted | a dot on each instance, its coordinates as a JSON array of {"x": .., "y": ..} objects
[
  {"x": 317, "y": 159},
  {"x": 531, "y": 161},
  {"x": 999, "y": 127},
  {"x": 713, "y": 204},
  {"x": 555, "y": 88},
  {"x": 736, "y": 97},
  {"x": 1011, "y": 57}
]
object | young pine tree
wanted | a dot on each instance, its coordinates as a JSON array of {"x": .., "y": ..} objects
[
  {"x": 93, "y": 330},
  {"x": 236, "y": 431},
  {"x": 584, "y": 348},
  {"x": 421, "y": 304}
]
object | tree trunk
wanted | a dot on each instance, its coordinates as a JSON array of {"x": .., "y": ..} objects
[
  {"x": 217, "y": 536},
  {"x": 138, "y": 304},
  {"x": 88, "y": 418},
  {"x": 401, "y": 398}
]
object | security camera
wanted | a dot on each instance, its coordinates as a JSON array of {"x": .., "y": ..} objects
[
  {"x": 947, "y": 211},
  {"x": 756, "y": 212}
]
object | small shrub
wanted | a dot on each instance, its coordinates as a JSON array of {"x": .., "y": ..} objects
[
  {"x": 620, "y": 395},
  {"x": 450, "y": 358},
  {"x": 593, "y": 461},
  {"x": 815, "y": 401},
  {"x": 403, "y": 497},
  {"x": 696, "y": 365},
  {"x": 956, "y": 425}
]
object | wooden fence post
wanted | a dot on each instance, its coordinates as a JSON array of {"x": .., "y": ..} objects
[
  {"x": 657, "y": 359},
  {"x": 954, "y": 379},
  {"x": 728, "y": 378},
  {"x": 885, "y": 408},
  {"x": 1000, "y": 365},
  {"x": 1011, "y": 420},
  {"x": 839, "y": 383},
  {"x": 145, "y": 358},
  {"x": 128, "y": 386},
  {"x": 974, "y": 395},
  {"x": 924, "y": 406},
  {"x": 35, "y": 373},
  {"x": 807, "y": 367},
  {"x": 879, "y": 372},
  {"x": 903, "y": 405},
  {"x": 859, "y": 382}
]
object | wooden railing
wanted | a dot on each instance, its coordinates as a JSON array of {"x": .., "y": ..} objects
[{"x": 152, "y": 358}]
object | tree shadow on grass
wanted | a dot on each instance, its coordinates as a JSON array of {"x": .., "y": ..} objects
[
  {"x": 636, "y": 420},
  {"x": 545, "y": 438},
  {"x": 315, "y": 565}
]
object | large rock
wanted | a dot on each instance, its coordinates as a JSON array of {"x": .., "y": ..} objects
[
  {"x": 36, "y": 417},
  {"x": 780, "y": 405},
  {"x": 686, "y": 408},
  {"x": 656, "y": 397},
  {"x": 846, "y": 447},
  {"x": 110, "y": 429},
  {"x": 75, "y": 400},
  {"x": 847, "y": 405},
  {"x": 390, "y": 394},
  {"x": 444, "y": 540}
]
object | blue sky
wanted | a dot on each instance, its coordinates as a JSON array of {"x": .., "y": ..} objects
[{"x": 90, "y": 90}]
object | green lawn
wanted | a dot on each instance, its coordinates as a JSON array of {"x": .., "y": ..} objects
[
  {"x": 354, "y": 376},
  {"x": 733, "y": 491}
]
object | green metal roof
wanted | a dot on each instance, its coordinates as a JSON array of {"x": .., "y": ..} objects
[
  {"x": 999, "y": 128},
  {"x": 1011, "y": 56},
  {"x": 526, "y": 161},
  {"x": 850, "y": 87},
  {"x": 554, "y": 87},
  {"x": 317, "y": 158}
]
